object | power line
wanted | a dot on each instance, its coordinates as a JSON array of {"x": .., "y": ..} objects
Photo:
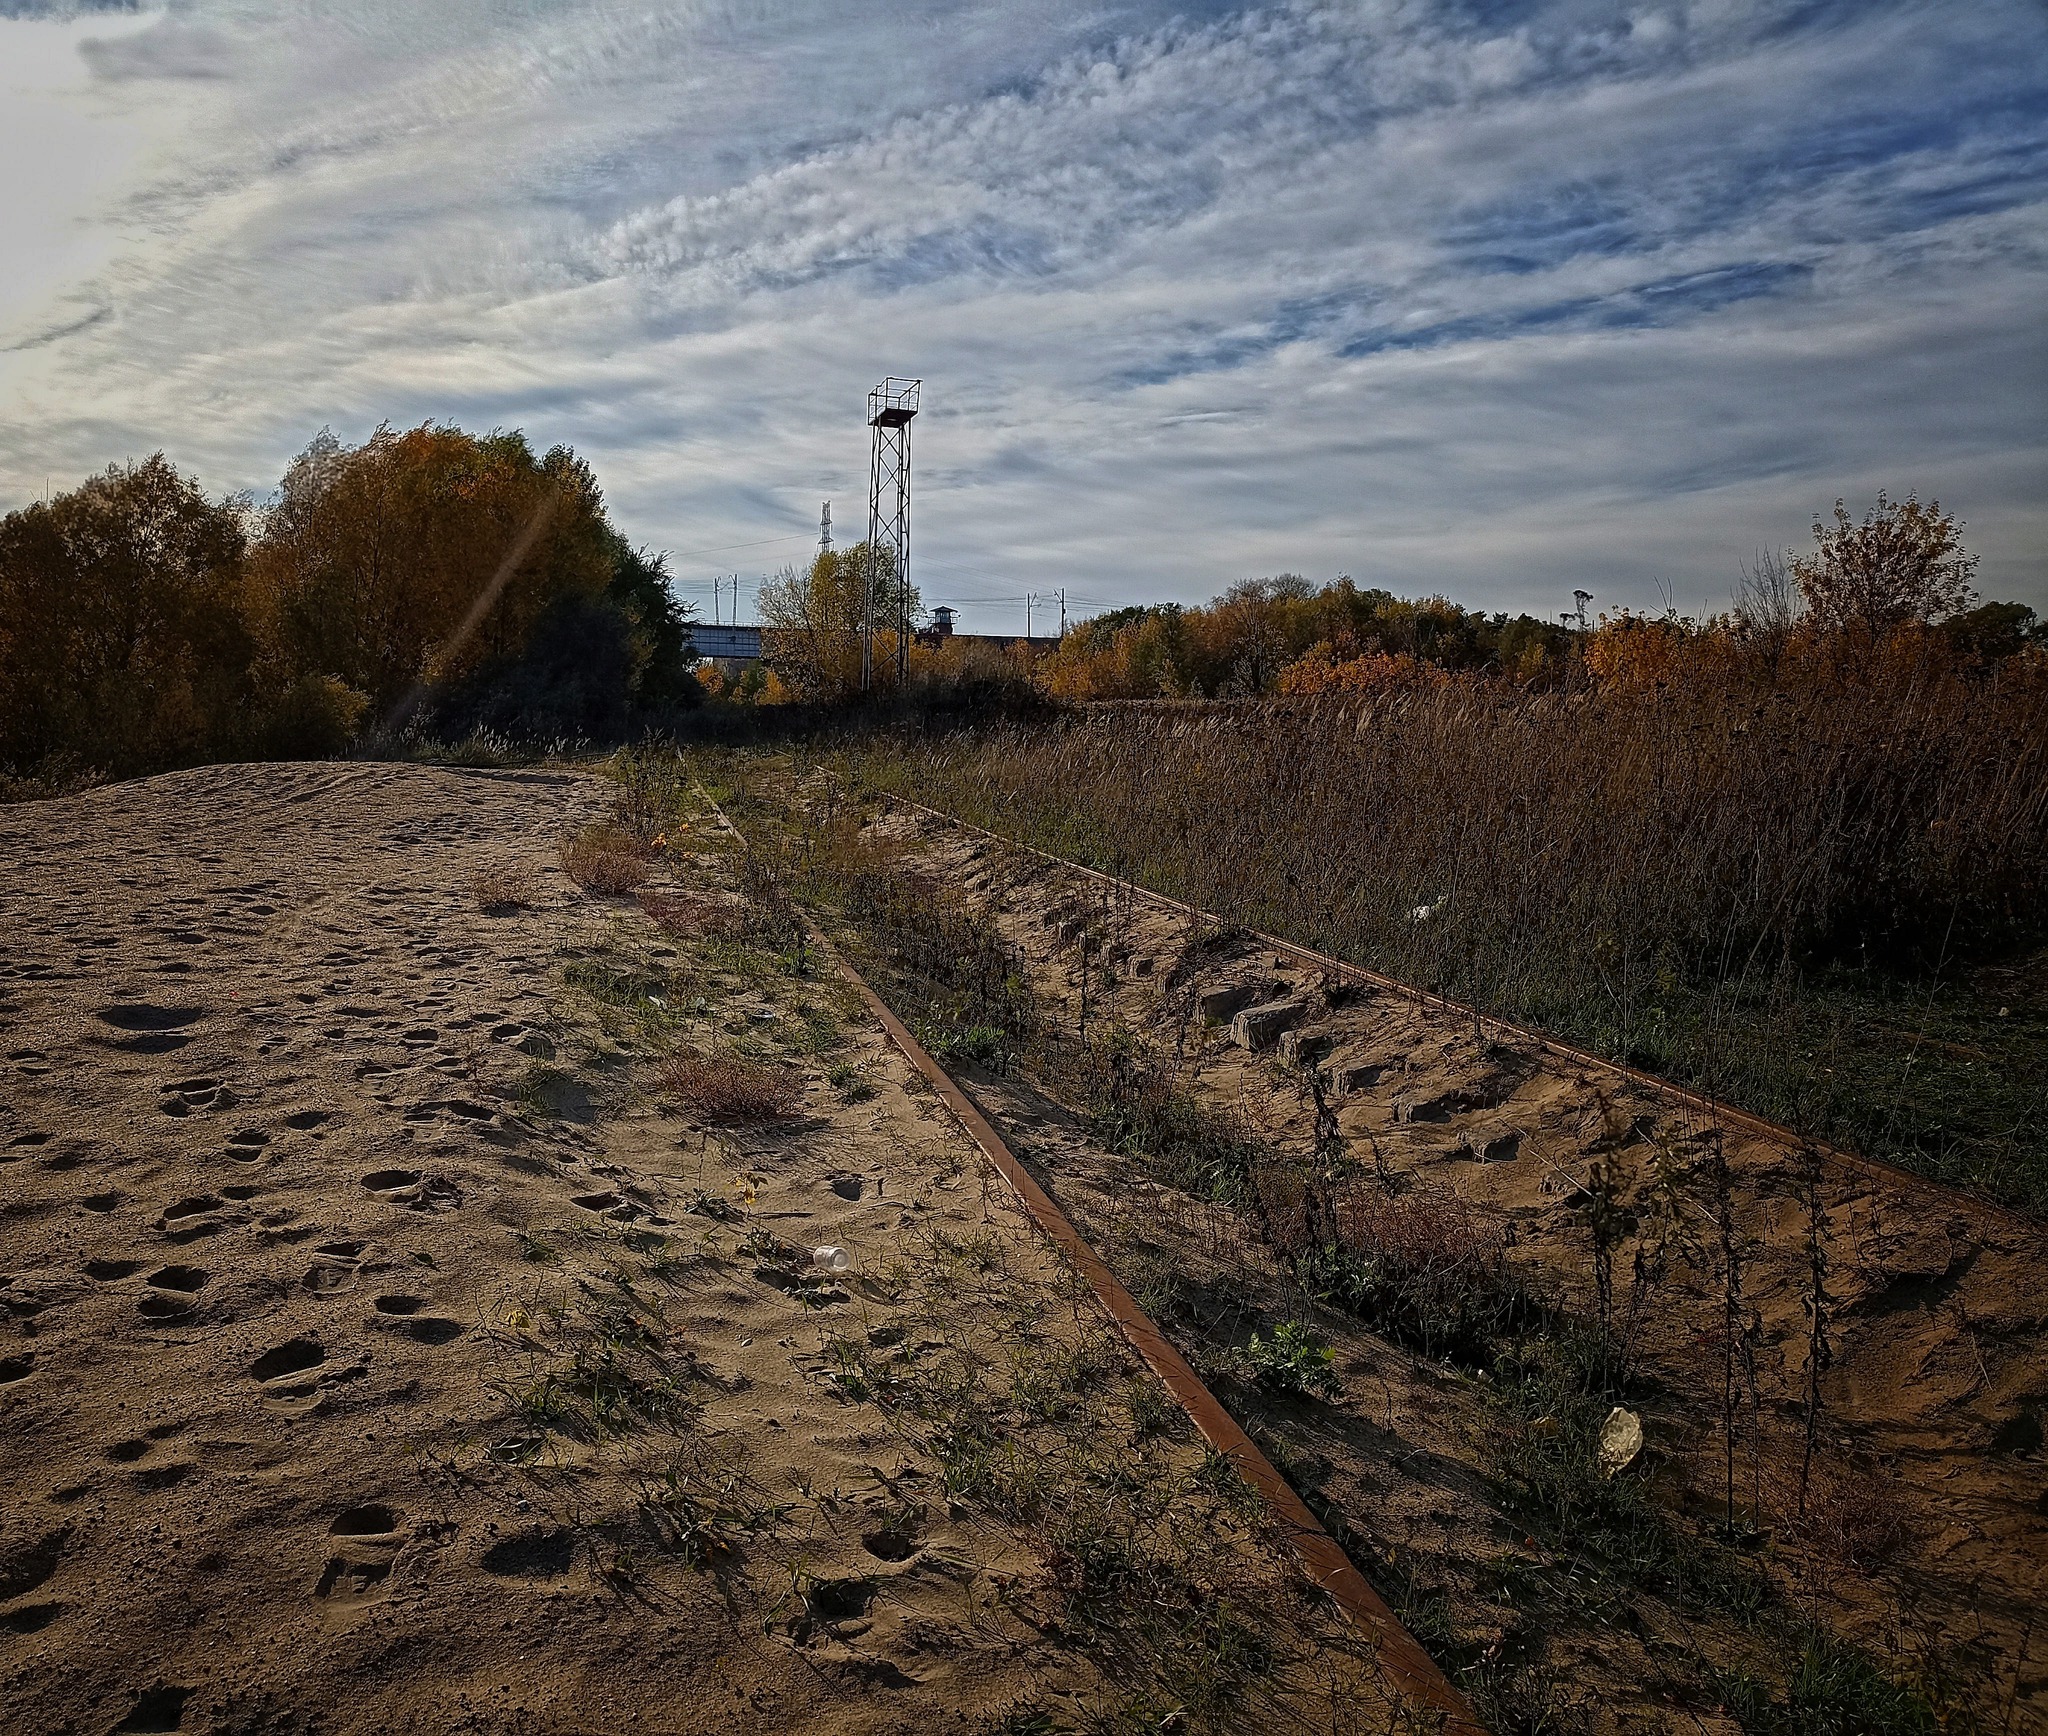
[{"x": 686, "y": 554}]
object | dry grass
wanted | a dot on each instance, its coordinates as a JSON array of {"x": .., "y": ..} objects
[
  {"x": 1698, "y": 877},
  {"x": 1426, "y": 1266},
  {"x": 691, "y": 914},
  {"x": 1851, "y": 1515},
  {"x": 724, "y": 1086},
  {"x": 605, "y": 858},
  {"x": 500, "y": 891}
]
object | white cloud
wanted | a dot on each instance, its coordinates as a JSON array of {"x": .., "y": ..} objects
[{"x": 1378, "y": 286}]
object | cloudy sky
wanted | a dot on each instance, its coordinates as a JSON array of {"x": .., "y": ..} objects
[{"x": 1488, "y": 297}]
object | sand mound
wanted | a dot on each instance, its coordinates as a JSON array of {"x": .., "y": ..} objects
[{"x": 380, "y": 1351}]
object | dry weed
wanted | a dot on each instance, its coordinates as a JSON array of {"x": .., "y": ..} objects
[
  {"x": 605, "y": 858},
  {"x": 501, "y": 890},
  {"x": 691, "y": 913},
  {"x": 724, "y": 1086},
  {"x": 1853, "y": 1516}
]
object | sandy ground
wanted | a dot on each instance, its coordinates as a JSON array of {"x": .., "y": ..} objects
[
  {"x": 1938, "y": 1311},
  {"x": 377, "y": 1352}
]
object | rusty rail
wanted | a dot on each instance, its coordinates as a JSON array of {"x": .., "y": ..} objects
[{"x": 1409, "y": 1669}]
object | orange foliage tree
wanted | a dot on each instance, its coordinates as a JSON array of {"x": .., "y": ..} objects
[
  {"x": 420, "y": 556},
  {"x": 811, "y": 621},
  {"x": 1904, "y": 562},
  {"x": 122, "y": 638},
  {"x": 143, "y": 625}
]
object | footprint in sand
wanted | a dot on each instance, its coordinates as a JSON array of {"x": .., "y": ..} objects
[
  {"x": 246, "y": 1145},
  {"x": 459, "y": 1108},
  {"x": 14, "y": 1369},
  {"x": 151, "y": 1030},
  {"x": 366, "y": 1542},
  {"x": 185, "y": 1095},
  {"x": 416, "y": 1192},
  {"x": 30, "y": 1618},
  {"x": 190, "y": 1219},
  {"x": 532, "y": 1555},
  {"x": 158, "y": 1709},
  {"x": 335, "y": 1267},
  {"x": 374, "y": 1520},
  {"x": 893, "y": 1542},
  {"x": 25, "y": 1568},
  {"x": 837, "y": 1600},
  {"x": 111, "y": 1271},
  {"x": 401, "y": 1314},
  {"x": 280, "y": 1372},
  {"x": 173, "y": 1292},
  {"x": 22, "y": 1145}
]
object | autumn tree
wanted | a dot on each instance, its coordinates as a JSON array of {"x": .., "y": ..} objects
[
  {"x": 419, "y": 557},
  {"x": 1904, "y": 562},
  {"x": 143, "y": 626},
  {"x": 123, "y": 642},
  {"x": 811, "y": 621}
]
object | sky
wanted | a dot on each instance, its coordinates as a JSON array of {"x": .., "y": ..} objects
[{"x": 1494, "y": 299}]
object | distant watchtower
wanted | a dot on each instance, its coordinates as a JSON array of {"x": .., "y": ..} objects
[{"x": 891, "y": 405}]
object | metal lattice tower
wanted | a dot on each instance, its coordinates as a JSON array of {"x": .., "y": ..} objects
[{"x": 891, "y": 405}]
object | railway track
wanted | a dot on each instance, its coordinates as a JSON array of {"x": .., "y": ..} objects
[
  {"x": 1715, "y": 1111},
  {"x": 1409, "y": 1669}
]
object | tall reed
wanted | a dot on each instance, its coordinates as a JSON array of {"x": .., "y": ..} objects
[{"x": 1667, "y": 872}]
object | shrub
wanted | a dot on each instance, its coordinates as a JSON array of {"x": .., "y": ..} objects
[
  {"x": 1423, "y": 1265},
  {"x": 498, "y": 891},
  {"x": 605, "y": 859},
  {"x": 1684, "y": 867},
  {"x": 1295, "y": 1359}
]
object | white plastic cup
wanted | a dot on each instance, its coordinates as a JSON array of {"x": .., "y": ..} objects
[{"x": 831, "y": 1259}]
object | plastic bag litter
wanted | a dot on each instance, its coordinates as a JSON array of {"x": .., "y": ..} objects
[
  {"x": 831, "y": 1259},
  {"x": 1621, "y": 1438}
]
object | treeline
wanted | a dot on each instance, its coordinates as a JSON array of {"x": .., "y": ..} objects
[
  {"x": 1900, "y": 574},
  {"x": 426, "y": 578},
  {"x": 1262, "y": 636}
]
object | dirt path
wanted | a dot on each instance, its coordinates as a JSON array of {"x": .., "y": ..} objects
[{"x": 378, "y": 1350}]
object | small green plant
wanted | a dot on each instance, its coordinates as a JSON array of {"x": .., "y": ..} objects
[
  {"x": 1834, "y": 1690},
  {"x": 1295, "y": 1359},
  {"x": 980, "y": 1045},
  {"x": 850, "y": 1082}
]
